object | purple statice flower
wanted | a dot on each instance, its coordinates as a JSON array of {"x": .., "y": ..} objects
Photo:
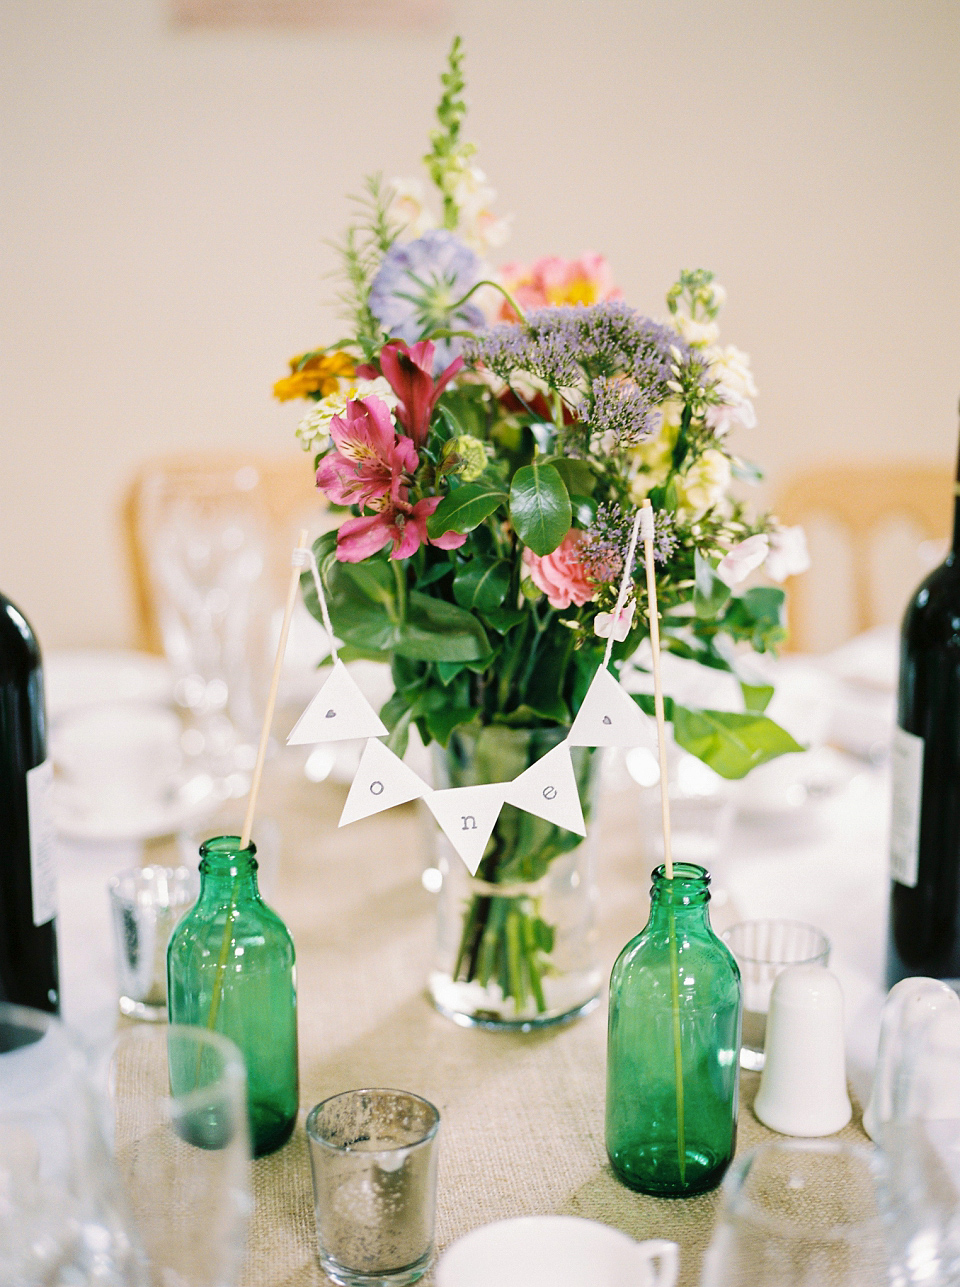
[
  {"x": 417, "y": 285},
  {"x": 604, "y": 552},
  {"x": 565, "y": 345},
  {"x": 621, "y": 409}
]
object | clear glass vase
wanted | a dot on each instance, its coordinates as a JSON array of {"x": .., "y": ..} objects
[{"x": 516, "y": 944}]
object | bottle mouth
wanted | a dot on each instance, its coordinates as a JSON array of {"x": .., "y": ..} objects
[
  {"x": 227, "y": 847},
  {"x": 690, "y": 883}
]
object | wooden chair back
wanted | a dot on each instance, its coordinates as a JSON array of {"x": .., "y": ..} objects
[{"x": 874, "y": 531}]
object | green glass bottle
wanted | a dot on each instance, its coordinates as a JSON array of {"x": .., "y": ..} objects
[
  {"x": 231, "y": 967},
  {"x": 673, "y": 1045}
]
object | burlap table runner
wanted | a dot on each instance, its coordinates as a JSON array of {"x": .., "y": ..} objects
[{"x": 522, "y": 1116}]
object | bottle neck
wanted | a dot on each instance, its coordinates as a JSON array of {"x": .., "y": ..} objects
[
  {"x": 227, "y": 871},
  {"x": 684, "y": 898}
]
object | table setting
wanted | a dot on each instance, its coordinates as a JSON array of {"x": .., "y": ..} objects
[{"x": 474, "y": 892}]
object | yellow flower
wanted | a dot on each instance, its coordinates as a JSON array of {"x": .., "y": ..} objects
[
  {"x": 320, "y": 373},
  {"x": 703, "y": 485},
  {"x": 653, "y": 459}
]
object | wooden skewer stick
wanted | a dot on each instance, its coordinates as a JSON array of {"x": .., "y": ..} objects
[
  {"x": 657, "y": 685},
  {"x": 648, "y": 534},
  {"x": 272, "y": 697}
]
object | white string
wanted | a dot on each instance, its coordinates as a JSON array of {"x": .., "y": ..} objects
[
  {"x": 307, "y": 558},
  {"x": 624, "y": 583}
]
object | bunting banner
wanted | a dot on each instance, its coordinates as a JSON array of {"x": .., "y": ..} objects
[
  {"x": 609, "y": 716},
  {"x": 467, "y": 816},
  {"x": 382, "y": 780},
  {"x": 549, "y": 790},
  {"x": 338, "y": 712}
]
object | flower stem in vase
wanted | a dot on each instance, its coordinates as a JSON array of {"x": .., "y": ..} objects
[{"x": 677, "y": 1048}]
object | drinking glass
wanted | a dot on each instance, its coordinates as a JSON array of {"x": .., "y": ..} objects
[
  {"x": 184, "y": 1159},
  {"x": 373, "y": 1155},
  {"x": 763, "y": 950},
  {"x": 922, "y": 1144},
  {"x": 61, "y": 1220},
  {"x": 801, "y": 1213},
  {"x": 206, "y": 536},
  {"x": 147, "y": 903}
]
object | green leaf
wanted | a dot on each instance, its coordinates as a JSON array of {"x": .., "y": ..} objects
[
  {"x": 464, "y": 508},
  {"x": 729, "y": 742},
  {"x": 449, "y": 670},
  {"x": 504, "y": 619},
  {"x": 400, "y": 733},
  {"x": 756, "y": 697},
  {"x": 481, "y": 584},
  {"x": 435, "y": 630},
  {"x": 745, "y": 470},
  {"x": 576, "y": 474},
  {"x": 436, "y": 573},
  {"x": 710, "y": 594},
  {"x": 647, "y": 704},
  {"x": 540, "y": 507},
  {"x": 584, "y": 509}
]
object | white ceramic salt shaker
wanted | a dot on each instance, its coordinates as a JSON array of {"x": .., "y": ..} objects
[
  {"x": 803, "y": 1086},
  {"x": 909, "y": 1006}
]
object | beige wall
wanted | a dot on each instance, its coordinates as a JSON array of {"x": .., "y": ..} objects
[{"x": 167, "y": 194}]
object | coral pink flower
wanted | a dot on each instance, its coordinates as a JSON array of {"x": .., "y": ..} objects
[
  {"x": 400, "y": 522},
  {"x": 552, "y": 282},
  {"x": 370, "y": 459},
  {"x": 410, "y": 375},
  {"x": 561, "y": 575}
]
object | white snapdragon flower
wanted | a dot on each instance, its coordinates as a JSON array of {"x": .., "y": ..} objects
[
  {"x": 703, "y": 485},
  {"x": 788, "y": 553},
  {"x": 408, "y": 209},
  {"x": 734, "y": 412},
  {"x": 744, "y": 558},
  {"x": 314, "y": 429},
  {"x": 697, "y": 334},
  {"x": 480, "y": 228},
  {"x": 730, "y": 366}
]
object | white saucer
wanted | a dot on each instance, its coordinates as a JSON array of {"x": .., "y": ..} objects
[{"x": 75, "y": 821}]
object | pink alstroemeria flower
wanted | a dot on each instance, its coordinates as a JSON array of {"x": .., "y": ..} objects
[
  {"x": 398, "y": 521},
  {"x": 370, "y": 461},
  {"x": 409, "y": 373}
]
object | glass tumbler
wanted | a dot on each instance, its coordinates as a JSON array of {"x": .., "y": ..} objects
[
  {"x": 373, "y": 1154},
  {"x": 147, "y": 903},
  {"x": 801, "y": 1213},
  {"x": 763, "y": 949},
  {"x": 184, "y": 1155}
]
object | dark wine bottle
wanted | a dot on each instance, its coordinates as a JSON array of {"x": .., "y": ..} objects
[
  {"x": 924, "y": 934},
  {"x": 28, "y": 927}
]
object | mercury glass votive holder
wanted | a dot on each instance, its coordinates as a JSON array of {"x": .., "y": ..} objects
[{"x": 373, "y": 1156}]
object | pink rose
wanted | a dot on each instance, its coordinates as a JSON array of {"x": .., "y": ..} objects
[{"x": 561, "y": 575}]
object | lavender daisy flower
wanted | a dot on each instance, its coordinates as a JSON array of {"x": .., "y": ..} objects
[{"x": 417, "y": 285}]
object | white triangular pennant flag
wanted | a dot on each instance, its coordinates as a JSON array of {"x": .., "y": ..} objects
[
  {"x": 338, "y": 712},
  {"x": 467, "y": 816},
  {"x": 608, "y": 716},
  {"x": 381, "y": 781},
  {"x": 549, "y": 789}
]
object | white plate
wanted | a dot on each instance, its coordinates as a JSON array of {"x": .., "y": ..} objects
[
  {"x": 79, "y": 677},
  {"x": 187, "y": 806}
]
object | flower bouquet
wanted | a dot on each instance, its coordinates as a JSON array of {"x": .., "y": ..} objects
[{"x": 489, "y": 434}]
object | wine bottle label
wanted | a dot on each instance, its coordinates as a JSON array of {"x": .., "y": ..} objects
[
  {"x": 43, "y": 858},
  {"x": 906, "y": 762}
]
